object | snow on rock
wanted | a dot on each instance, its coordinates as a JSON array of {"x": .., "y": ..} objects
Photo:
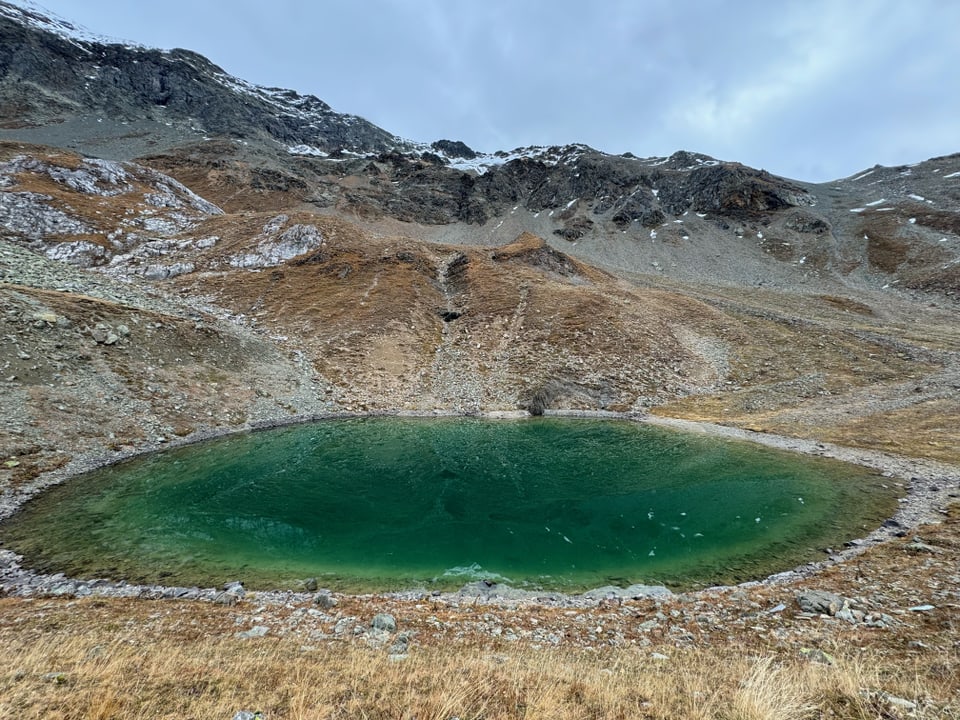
[
  {"x": 483, "y": 162},
  {"x": 32, "y": 13},
  {"x": 951, "y": 175},
  {"x": 307, "y": 150}
]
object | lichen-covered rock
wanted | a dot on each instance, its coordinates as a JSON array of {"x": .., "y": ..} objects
[
  {"x": 821, "y": 602},
  {"x": 383, "y": 621}
]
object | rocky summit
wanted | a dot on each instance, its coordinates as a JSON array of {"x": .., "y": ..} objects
[{"x": 183, "y": 253}]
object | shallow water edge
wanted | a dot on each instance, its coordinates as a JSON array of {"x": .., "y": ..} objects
[{"x": 929, "y": 486}]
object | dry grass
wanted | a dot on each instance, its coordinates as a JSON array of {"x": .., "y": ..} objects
[{"x": 101, "y": 673}]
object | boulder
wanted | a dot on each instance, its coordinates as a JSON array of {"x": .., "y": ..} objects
[
  {"x": 324, "y": 599},
  {"x": 383, "y": 621},
  {"x": 257, "y": 631},
  {"x": 821, "y": 602}
]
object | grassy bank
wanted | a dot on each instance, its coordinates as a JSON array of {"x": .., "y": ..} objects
[{"x": 109, "y": 659}]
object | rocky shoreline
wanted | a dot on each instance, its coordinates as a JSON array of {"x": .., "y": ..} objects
[{"x": 930, "y": 487}]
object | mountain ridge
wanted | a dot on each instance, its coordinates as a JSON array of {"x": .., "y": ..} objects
[{"x": 391, "y": 275}]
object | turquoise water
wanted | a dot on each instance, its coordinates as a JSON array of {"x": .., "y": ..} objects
[{"x": 392, "y": 503}]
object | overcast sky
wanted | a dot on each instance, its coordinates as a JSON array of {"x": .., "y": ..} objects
[{"x": 810, "y": 89}]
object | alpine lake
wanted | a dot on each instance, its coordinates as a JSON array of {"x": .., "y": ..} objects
[{"x": 384, "y": 504}]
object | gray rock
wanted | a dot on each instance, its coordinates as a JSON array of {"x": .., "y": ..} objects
[
  {"x": 101, "y": 332},
  {"x": 817, "y": 656},
  {"x": 343, "y": 626},
  {"x": 401, "y": 644},
  {"x": 225, "y": 598},
  {"x": 247, "y": 715},
  {"x": 383, "y": 621},
  {"x": 918, "y": 546},
  {"x": 257, "y": 631},
  {"x": 376, "y": 638},
  {"x": 880, "y": 621},
  {"x": 79, "y": 252},
  {"x": 633, "y": 592},
  {"x": 821, "y": 602},
  {"x": 849, "y": 615},
  {"x": 324, "y": 599},
  {"x": 900, "y": 703},
  {"x": 166, "y": 272},
  {"x": 30, "y": 215},
  {"x": 273, "y": 250},
  {"x": 234, "y": 587}
]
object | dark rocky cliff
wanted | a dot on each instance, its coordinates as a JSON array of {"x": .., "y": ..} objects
[{"x": 46, "y": 78}]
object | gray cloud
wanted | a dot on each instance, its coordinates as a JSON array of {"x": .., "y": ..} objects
[{"x": 815, "y": 90}]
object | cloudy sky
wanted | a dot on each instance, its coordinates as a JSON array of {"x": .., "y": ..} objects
[{"x": 810, "y": 89}]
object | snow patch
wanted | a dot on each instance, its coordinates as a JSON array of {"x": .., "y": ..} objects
[{"x": 307, "y": 150}]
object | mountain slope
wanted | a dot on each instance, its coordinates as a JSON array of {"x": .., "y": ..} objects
[
  {"x": 247, "y": 147},
  {"x": 382, "y": 274}
]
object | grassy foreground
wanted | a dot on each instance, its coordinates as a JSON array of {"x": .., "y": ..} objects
[
  {"x": 742, "y": 654},
  {"x": 115, "y": 671}
]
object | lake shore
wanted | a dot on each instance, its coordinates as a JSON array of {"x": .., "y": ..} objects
[{"x": 929, "y": 487}]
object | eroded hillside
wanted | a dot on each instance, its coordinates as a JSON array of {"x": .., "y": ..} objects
[{"x": 137, "y": 310}]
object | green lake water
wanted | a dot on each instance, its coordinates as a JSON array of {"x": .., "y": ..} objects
[{"x": 394, "y": 503}]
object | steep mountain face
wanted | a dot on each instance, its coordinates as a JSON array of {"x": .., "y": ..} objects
[
  {"x": 265, "y": 257},
  {"x": 249, "y": 147},
  {"x": 50, "y": 77}
]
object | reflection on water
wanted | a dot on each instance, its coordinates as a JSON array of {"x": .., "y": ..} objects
[{"x": 388, "y": 503}]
